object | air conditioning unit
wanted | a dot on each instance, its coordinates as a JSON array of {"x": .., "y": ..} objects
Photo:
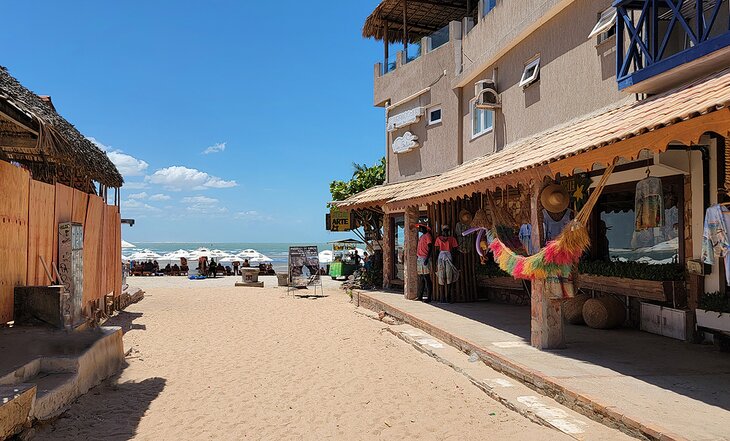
[{"x": 486, "y": 94}]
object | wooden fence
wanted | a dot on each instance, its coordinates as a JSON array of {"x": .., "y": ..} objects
[{"x": 30, "y": 212}]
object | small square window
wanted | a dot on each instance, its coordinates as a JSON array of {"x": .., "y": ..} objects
[
  {"x": 605, "y": 27},
  {"x": 531, "y": 73},
  {"x": 434, "y": 115}
]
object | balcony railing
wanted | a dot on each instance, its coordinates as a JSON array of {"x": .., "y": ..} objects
[{"x": 655, "y": 36}]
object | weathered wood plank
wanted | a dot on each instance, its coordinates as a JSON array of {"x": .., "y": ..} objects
[
  {"x": 15, "y": 187},
  {"x": 41, "y": 216}
]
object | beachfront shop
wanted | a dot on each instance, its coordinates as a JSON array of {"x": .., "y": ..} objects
[
  {"x": 60, "y": 241},
  {"x": 611, "y": 220}
]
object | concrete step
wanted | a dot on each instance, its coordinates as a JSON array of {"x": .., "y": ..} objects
[
  {"x": 55, "y": 391},
  {"x": 16, "y": 402}
]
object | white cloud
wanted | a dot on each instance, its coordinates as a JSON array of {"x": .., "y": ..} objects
[
  {"x": 134, "y": 185},
  {"x": 206, "y": 209},
  {"x": 252, "y": 215},
  {"x": 137, "y": 206},
  {"x": 204, "y": 200},
  {"x": 126, "y": 164},
  {"x": 159, "y": 197},
  {"x": 142, "y": 195},
  {"x": 215, "y": 148},
  {"x": 177, "y": 178}
]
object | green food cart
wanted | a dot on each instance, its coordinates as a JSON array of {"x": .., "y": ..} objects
[{"x": 345, "y": 260}]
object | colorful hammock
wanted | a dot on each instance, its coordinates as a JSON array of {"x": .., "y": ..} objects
[{"x": 557, "y": 258}]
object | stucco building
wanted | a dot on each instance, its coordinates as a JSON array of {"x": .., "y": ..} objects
[{"x": 488, "y": 102}]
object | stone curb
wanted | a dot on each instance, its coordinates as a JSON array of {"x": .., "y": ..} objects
[{"x": 591, "y": 407}]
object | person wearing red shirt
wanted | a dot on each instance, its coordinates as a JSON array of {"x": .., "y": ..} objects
[
  {"x": 446, "y": 271},
  {"x": 424, "y": 251}
]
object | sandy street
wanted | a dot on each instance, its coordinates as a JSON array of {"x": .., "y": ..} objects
[{"x": 211, "y": 361}]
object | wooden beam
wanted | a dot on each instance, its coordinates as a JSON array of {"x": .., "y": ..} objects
[
  {"x": 18, "y": 141},
  {"x": 19, "y": 118},
  {"x": 405, "y": 28}
]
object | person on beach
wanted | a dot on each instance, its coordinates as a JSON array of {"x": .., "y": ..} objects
[
  {"x": 446, "y": 271},
  {"x": 213, "y": 268},
  {"x": 245, "y": 264},
  {"x": 235, "y": 268},
  {"x": 203, "y": 265},
  {"x": 424, "y": 250}
]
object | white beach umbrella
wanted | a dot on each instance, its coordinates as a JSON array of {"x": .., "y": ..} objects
[
  {"x": 217, "y": 254},
  {"x": 178, "y": 254},
  {"x": 325, "y": 257},
  {"x": 249, "y": 254},
  {"x": 145, "y": 255},
  {"x": 260, "y": 259},
  {"x": 230, "y": 259},
  {"x": 125, "y": 258},
  {"x": 126, "y": 244},
  {"x": 200, "y": 252}
]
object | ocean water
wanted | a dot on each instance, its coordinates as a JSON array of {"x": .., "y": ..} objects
[{"x": 278, "y": 252}]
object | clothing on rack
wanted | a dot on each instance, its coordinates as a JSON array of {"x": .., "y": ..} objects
[
  {"x": 525, "y": 236},
  {"x": 715, "y": 239},
  {"x": 460, "y": 238},
  {"x": 649, "y": 204},
  {"x": 553, "y": 227},
  {"x": 446, "y": 271}
]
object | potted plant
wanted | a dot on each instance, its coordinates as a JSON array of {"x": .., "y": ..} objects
[{"x": 714, "y": 312}]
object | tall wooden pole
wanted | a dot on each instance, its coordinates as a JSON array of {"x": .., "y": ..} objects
[
  {"x": 386, "y": 55},
  {"x": 405, "y": 29}
]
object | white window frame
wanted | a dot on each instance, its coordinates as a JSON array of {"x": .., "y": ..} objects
[
  {"x": 435, "y": 121},
  {"x": 487, "y": 127},
  {"x": 606, "y": 20},
  {"x": 528, "y": 78}
]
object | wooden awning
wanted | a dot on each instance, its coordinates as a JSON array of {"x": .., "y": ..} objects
[
  {"x": 680, "y": 115},
  {"x": 377, "y": 196}
]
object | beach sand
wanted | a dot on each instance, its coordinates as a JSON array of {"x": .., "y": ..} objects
[{"x": 212, "y": 361}]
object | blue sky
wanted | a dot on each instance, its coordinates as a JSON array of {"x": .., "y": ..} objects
[{"x": 227, "y": 118}]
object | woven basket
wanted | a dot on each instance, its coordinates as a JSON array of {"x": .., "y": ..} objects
[
  {"x": 573, "y": 309},
  {"x": 604, "y": 313}
]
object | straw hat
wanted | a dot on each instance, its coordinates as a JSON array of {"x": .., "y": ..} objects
[
  {"x": 465, "y": 216},
  {"x": 555, "y": 198}
]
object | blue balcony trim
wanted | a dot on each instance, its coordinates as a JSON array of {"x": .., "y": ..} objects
[{"x": 686, "y": 56}]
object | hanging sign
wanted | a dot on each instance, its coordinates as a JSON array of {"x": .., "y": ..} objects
[
  {"x": 343, "y": 246},
  {"x": 404, "y": 118},
  {"x": 340, "y": 220},
  {"x": 405, "y": 143}
]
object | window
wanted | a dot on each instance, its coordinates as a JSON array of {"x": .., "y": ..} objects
[
  {"x": 605, "y": 27},
  {"x": 531, "y": 72},
  {"x": 489, "y": 5},
  {"x": 482, "y": 120},
  {"x": 434, "y": 115}
]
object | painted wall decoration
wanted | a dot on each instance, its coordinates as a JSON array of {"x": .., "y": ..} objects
[{"x": 405, "y": 143}]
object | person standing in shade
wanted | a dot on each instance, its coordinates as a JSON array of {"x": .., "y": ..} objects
[
  {"x": 446, "y": 271},
  {"x": 424, "y": 251},
  {"x": 213, "y": 268}
]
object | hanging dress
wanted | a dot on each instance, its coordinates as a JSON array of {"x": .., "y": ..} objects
[{"x": 649, "y": 204}]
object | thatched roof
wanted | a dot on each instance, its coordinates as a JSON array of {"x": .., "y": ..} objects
[
  {"x": 423, "y": 18},
  {"x": 32, "y": 132}
]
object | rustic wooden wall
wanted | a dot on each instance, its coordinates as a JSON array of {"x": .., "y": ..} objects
[
  {"x": 93, "y": 259},
  {"x": 30, "y": 212},
  {"x": 41, "y": 218},
  {"x": 14, "y": 188}
]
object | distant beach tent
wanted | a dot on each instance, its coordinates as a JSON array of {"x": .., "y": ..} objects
[
  {"x": 126, "y": 244},
  {"x": 200, "y": 252},
  {"x": 145, "y": 255},
  {"x": 254, "y": 256},
  {"x": 230, "y": 260}
]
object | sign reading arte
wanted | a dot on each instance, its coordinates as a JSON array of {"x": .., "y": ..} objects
[
  {"x": 405, "y": 143},
  {"x": 340, "y": 220}
]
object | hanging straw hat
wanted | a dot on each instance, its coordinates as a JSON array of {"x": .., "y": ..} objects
[
  {"x": 465, "y": 216},
  {"x": 555, "y": 198},
  {"x": 480, "y": 219}
]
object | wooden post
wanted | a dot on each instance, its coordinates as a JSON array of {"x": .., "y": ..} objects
[
  {"x": 405, "y": 29},
  {"x": 387, "y": 250},
  {"x": 386, "y": 55},
  {"x": 546, "y": 313},
  {"x": 410, "y": 288}
]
